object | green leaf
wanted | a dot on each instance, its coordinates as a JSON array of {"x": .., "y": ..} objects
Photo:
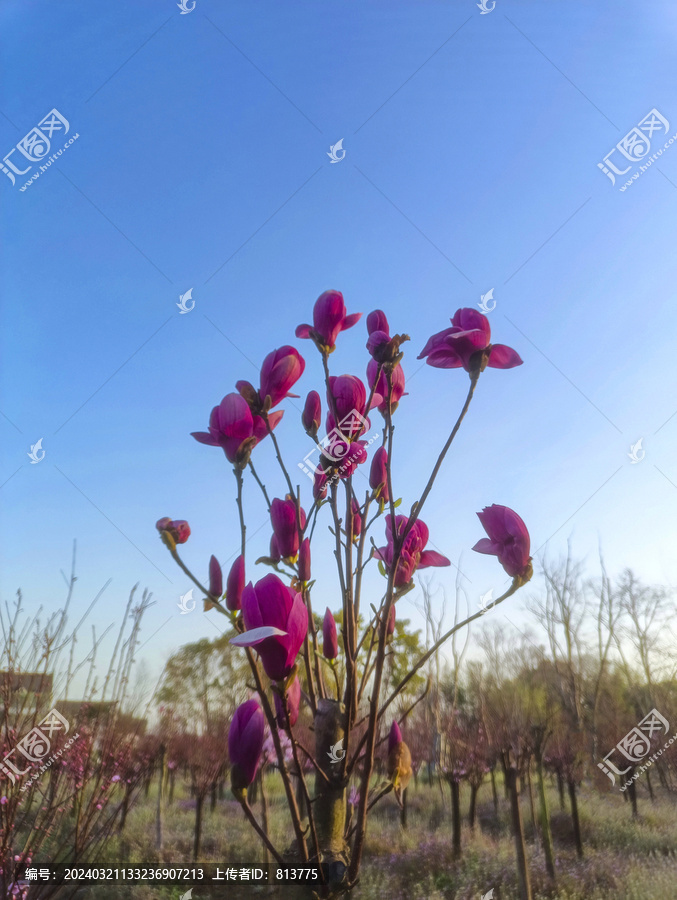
[
  {"x": 381, "y": 568},
  {"x": 397, "y": 502}
]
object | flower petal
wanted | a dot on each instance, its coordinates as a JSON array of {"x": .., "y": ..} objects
[
  {"x": 256, "y": 635},
  {"x": 502, "y": 357}
]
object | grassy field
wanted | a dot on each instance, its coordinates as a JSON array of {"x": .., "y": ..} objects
[{"x": 623, "y": 859}]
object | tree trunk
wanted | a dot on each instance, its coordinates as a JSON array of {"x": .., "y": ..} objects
[
  {"x": 125, "y": 808},
  {"x": 212, "y": 797},
  {"x": 575, "y": 819},
  {"x": 560, "y": 788},
  {"x": 456, "y": 819},
  {"x": 532, "y": 806},
  {"x": 329, "y": 809},
  {"x": 199, "y": 800},
  {"x": 472, "y": 812},
  {"x": 494, "y": 792},
  {"x": 650, "y": 786},
  {"x": 545, "y": 821},
  {"x": 403, "y": 811},
  {"x": 632, "y": 792},
  {"x": 512, "y": 781},
  {"x": 172, "y": 779}
]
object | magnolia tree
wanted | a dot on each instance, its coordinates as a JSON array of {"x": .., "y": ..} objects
[{"x": 291, "y": 664}]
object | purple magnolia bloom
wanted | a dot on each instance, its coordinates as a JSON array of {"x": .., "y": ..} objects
[
  {"x": 381, "y": 391},
  {"x": 378, "y": 321},
  {"x": 293, "y": 700},
  {"x": 179, "y": 529},
  {"x": 215, "y": 578},
  {"x": 319, "y": 485},
  {"x": 232, "y": 425},
  {"x": 508, "y": 538},
  {"x": 350, "y": 397},
  {"x": 276, "y": 619},
  {"x": 312, "y": 414},
  {"x": 283, "y": 520},
  {"x": 378, "y": 474},
  {"x": 413, "y": 555},
  {"x": 304, "y": 560},
  {"x": 245, "y": 742},
  {"x": 379, "y": 330},
  {"x": 357, "y": 518},
  {"x": 280, "y": 371},
  {"x": 329, "y": 636},
  {"x": 470, "y": 333},
  {"x": 394, "y": 738},
  {"x": 329, "y": 319},
  {"x": 235, "y": 585}
]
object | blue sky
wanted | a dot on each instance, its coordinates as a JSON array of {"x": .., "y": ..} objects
[{"x": 471, "y": 149}]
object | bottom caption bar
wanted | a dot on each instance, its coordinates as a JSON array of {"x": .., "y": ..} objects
[{"x": 154, "y": 874}]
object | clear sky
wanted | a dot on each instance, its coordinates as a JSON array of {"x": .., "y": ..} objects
[{"x": 471, "y": 148}]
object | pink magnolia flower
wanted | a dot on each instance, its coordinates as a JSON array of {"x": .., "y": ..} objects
[
  {"x": 276, "y": 619},
  {"x": 357, "y": 518},
  {"x": 508, "y": 538},
  {"x": 283, "y": 520},
  {"x": 329, "y": 636},
  {"x": 235, "y": 585},
  {"x": 350, "y": 398},
  {"x": 329, "y": 319},
  {"x": 280, "y": 371},
  {"x": 304, "y": 560},
  {"x": 378, "y": 474},
  {"x": 394, "y": 738},
  {"x": 231, "y": 424},
  {"x": 319, "y": 485},
  {"x": 470, "y": 333},
  {"x": 293, "y": 695},
  {"x": 312, "y": 414},
  {"x": 413, "y": 555},
  {"x": 378, "y": 321},
  {"x": 179, "y": 529},
  {"x": 215, "y": 578},
  {"x": 381, "y": 391},
  {"x": 245, "y": 742},
  {"x": 379, "y": 330}
]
